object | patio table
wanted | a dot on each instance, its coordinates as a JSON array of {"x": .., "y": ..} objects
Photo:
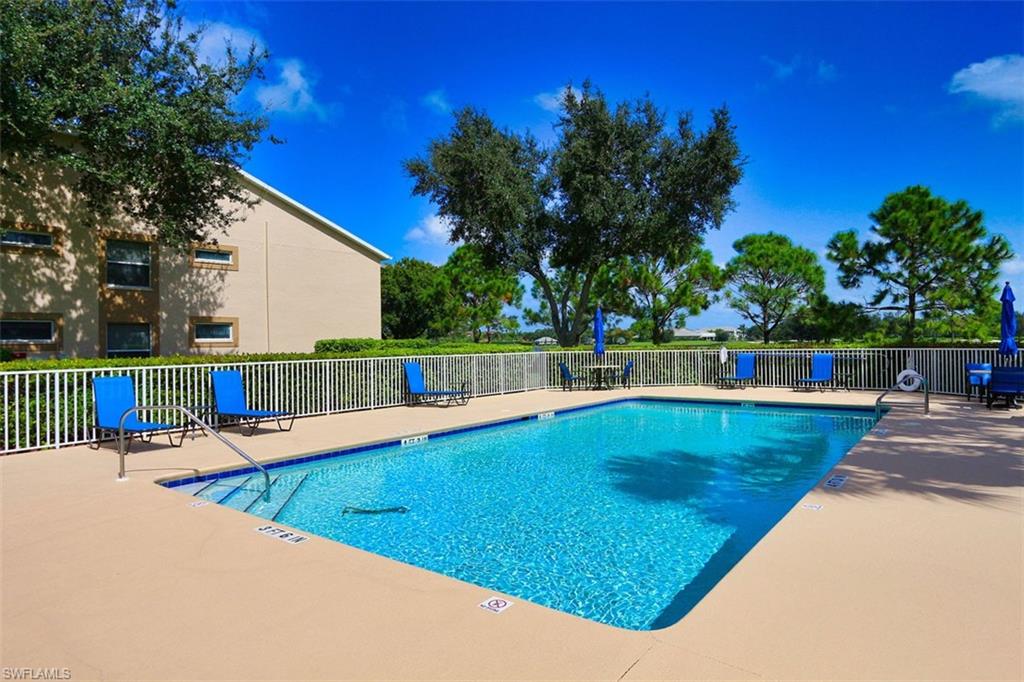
[{"x": 601, "y": 376}]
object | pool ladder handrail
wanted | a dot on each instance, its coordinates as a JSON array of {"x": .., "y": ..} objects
[
  {"x": 878, "y": 401},
  {"x": 198, "y": 422}
]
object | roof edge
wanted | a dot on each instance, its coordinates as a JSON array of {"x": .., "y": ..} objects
[{"x": 302, "y": 208}]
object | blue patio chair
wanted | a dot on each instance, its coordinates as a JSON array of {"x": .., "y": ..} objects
[
  {"x": 229, "y": 401},
  {"x": 569, "y": 380},
  {"x": 979, "y": 374},
  {"x": 1007, "y": 382},
  {"x": 744, "y": 372},
  {"x": 416, "y": 392},
  {"x": 627, "y": 375},
  {"x": 821, "y": 372},
  {"x": 113, "y": 396}
]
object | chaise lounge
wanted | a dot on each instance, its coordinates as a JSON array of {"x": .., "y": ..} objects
[
  {"x": 113, "y": 397},
  {"x": 416, "y": 392},
  {"x": 229, "y": 401},
  {"x": 821, "y": 372},
  {"x": 744, "y": 372}
]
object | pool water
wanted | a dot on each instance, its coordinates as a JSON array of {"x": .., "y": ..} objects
[{"x": 626, "y": 514}]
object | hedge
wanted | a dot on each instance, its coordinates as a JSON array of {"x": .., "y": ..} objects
[{"x": 366, "y": 348}]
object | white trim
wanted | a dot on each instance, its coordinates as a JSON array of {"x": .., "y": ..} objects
[
  {"x": 281, "y": 196},
  {"x": 214, "y": 261}
]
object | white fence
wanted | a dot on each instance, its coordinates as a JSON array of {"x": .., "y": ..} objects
[{"x": 53, "y": 408}]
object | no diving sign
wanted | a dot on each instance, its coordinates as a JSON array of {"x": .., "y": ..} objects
[{"x": 495, "y": 604}]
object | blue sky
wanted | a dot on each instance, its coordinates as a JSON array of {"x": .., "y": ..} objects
[{"x": 836, "y": 105}]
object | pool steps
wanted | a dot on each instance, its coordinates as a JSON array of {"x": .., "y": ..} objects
[{"x": 247, "y": 495}]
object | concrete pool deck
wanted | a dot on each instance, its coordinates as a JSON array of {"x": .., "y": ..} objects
[{"x": 912, "y": 570}]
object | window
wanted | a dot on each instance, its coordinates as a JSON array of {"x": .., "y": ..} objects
[
  {"x": 213, "y": 256},
  {"x": 128, "y": 264},
  {"x": 27, "y": 331},
  {"x": 128, "y": 341},
  {"x": 37, "y": 240},
  {"x": 213, "y": 331}
]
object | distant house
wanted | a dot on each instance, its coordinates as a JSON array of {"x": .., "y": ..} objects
[
  {"x": 546, "y": 341},
  {"x": 693, "y": 334},
  {"x": 277, "y": 280},
  {"x": 706, "y": 334}
]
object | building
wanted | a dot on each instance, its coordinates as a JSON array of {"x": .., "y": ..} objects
[
  {"x": 706, "y": 334},
  {"x": 693, "y": 334},
  {"x": 280, "y": 278}
]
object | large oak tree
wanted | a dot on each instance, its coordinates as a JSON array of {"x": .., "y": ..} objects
[
  {"x": 116, "y": 93},
  {"x": 616, "y": 184}
]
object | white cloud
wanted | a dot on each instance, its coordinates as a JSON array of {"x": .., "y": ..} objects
[
  {"x": 1014, "y": 266},
  {"x": 436, "y": 101},
  {"x": 999, "y": 80},
  {"x": 432, "y": 230},
  {"x": 814, "y": 69},
  {"x": 217, "y": 36},
  {"x": 552, "y": 101},
  {"x": 430, "y": 239},
  {"x": 292, "y": 93}
]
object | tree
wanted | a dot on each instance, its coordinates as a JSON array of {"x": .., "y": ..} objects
[
  {"x": 926, "y": 255},
  {"x": 770, "y": 278},
  {"x": 615, "y": 185},
  {"x": 411, "y": 306},
  {"x": 480, "y": 293},
  {"x": 827, "y": 320},
  {"x": 114, "y": 92},
  {"x": 666, "y": 288}
]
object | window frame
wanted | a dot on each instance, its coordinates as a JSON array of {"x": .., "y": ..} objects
[
  {"x": 195, "y": 321},
  {"x": 107, "y": 261},
  {"x": 128, "y": 352},
  {"x": 52, "y": 231},
  {"x": 205, "y": 264},
  {"x": 54, "y": 344}
]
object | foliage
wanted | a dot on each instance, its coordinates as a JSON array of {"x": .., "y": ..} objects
[
  {"x": 771, "y": 278},
  {"x": 615, "y": 185},
  {"x": 478, "y": 294},
  {"x": 116, "y": 92},
  {"x": 664, "y": 289},
  {"x": 826, "y": 320},
  {"x": 926, "y": 255},
  {"x": 409, "y": 297}
]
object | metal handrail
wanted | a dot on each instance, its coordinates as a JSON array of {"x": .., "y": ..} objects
[
  {"x": 195, "y": 420},
  {"x": 878, "y": 401}
]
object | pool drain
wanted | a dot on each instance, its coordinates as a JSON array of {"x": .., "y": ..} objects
[{"x": 386, "y": 510}]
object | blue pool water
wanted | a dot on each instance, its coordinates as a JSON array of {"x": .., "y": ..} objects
[{"x": 627, "y": 514}]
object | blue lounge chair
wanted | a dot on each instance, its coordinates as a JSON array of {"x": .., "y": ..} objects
[
  {"x": 744, "y": 372},
  {"x": 1007, "y": 382},
  {"x": 113, "y": 396},
  {"x": 416, "y": 389},
  {"x": 821, "y": 372},
  {"x": 229, "y": 402},
  {"x": 569, "y": 380},
  {"x": 627, "y": 375},
  {"x": 979, "y": 374}
]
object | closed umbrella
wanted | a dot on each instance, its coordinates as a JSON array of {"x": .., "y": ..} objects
[
  {"x": 599, "y": 333},
  {"x": 1007, "y": 324}
]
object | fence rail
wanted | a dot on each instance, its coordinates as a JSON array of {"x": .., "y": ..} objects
[{"x": 53, "y": 408}]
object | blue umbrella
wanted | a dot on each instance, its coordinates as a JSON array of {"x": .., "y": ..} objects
[
  {"x": 599, "y": 333},
  {"x": 1008, "y": 324}
]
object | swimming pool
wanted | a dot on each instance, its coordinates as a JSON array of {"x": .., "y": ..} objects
[{"x": 626, "y": 513}]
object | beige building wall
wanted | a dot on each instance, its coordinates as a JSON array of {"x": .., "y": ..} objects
[{"x": 295, "y": 278}]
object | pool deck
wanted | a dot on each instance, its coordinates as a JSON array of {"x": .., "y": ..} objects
[{"x": 912, "y": 570}]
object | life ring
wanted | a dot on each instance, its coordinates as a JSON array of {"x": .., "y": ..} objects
[{"x": 909, "y": 380}]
